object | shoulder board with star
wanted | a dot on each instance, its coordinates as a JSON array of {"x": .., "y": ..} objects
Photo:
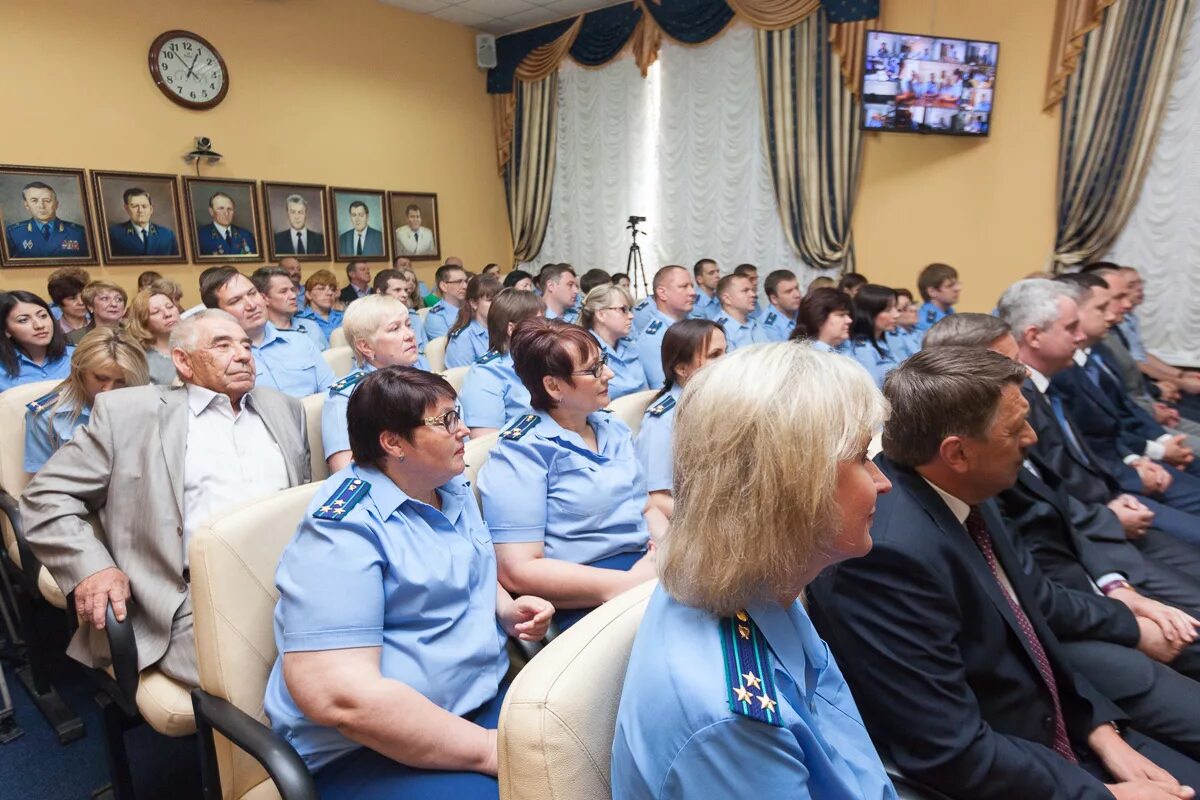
[
  {"x": 721, "y": 320},
  {"x": 770, "y": 320},
  {"x": 457, "y": 334},
  {"x": 488, "y": 357},
  {"x": 931, "y": 315},
  {"x": 520, "y": 427},
  {"x": 351, "y": 380},
  {"x": 345, "y": 498},
  {"x": 642, "y": 304},
  {"x": 750, "y": 686},
  {"x": 43, "y": 402},
  {"x": 654, "y": 327},
  {"x": 437, "y": 308},
  {"x": 662, "y": 406}
]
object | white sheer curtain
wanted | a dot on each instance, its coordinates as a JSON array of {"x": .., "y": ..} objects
[
  {"x": 1162, "y": 236},
  {"x": 683, "y": 147}
]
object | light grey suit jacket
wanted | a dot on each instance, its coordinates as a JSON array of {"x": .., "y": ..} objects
[{"x": 126, "y": 467}]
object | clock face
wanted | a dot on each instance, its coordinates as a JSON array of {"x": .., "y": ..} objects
[{"x": 188, "y": 70}]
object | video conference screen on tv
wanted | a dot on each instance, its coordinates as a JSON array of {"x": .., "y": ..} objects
[{"x": 928, "y": 84}]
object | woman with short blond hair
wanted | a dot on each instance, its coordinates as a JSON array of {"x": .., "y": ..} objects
[
  {"x": 772, "y": 485},
  {"x": 608, "y": 313}
]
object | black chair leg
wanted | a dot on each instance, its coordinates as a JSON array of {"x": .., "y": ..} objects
[
  {"x": 39, "y": 621},
  {"x": 115, "y": 752}
]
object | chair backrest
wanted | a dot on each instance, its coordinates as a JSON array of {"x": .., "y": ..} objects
[
  {"x": 557, "y": 724},
  {"x": 337, "y": 338},
  {"x": 340, "y": 360},
  {"x": 233, "y": 558},
  {"x": 476, "y": 455},
  {"x": 423, "y": 312},
  {"x": 630, "y": 408},
  {"x": 12, "y": 447},
  {"x": 435, "y": 353},
  {"x": 456, "y": 376},
  {"x": 312, "y": 422}
]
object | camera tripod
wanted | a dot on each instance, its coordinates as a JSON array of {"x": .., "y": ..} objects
[{"x": 634, "y": 269}]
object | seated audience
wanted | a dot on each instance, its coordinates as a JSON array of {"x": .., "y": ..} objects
[
  {"x": 359, "y": 275},
  {"x": 493, "y": 269},
  {"x": 783, "y": 302},
  {"x": 289, "y": 363},
  {"x": 688, "y": 346},
  {"x": 152, "y": 315},
  {"x": 65, "y": 295},
  {"x": 146, "y": 279},
  {"x": 492, "y": 394},
  {"x": 104, "y": 360},
  {"x": 154, "y": 462},
  {"x": 395, "y": 283},
  {"x": 452, "y": 287},
  {"x": 78, "y": 273},
  {"x": 608, "y": 314},
  {"x": 559, "y": 291},
  {"x": 851, "y": 282},
  {"x": 944, "y": 614},
  {"x": 105, "y": 303},
  {"x": 291, "y": 266},
  {"x": 562, "y": 491},
  {"x": 1167, "y": 377},
  {"x": 33, "y": 348},
  {"x": 707, "y": 274},
  {"x": 592, "y": 278},
  {"x": 519, "y": 279},
  {"x": 622, "y": 280},
  {"x": 824, "y": 319},
  {"x": 275, "y": 286},
  {"x": 171, "y": 289},
  {"x": 321, "y": 291},
  {"x": 758, "y": 708},
  {"x": 749, "y": 271},
  {"x": 939, "y": 288},
  {"x": 390, "y": 601},
  {"x": 905, "y": 339},
  {"x": 469, "y": 333},
  {"x": 874, "y": 318},
  {"x": 378, "y": 329},
  {"x": 673, "y": 297},
  {"x": 413, "y": 288},
  {"x": 820, "y": 282},
  {"x": 738, "y": 301}
]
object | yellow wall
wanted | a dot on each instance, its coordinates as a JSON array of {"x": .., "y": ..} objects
[
  {"x": 339, "y": 92},
  {"x": 985, "y": 206}
]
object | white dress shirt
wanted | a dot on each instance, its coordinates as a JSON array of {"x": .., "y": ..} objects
[{"x": 230, "y": 458}]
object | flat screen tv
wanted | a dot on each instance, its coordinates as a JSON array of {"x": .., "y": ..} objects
[{"x": 928, "y": 84}]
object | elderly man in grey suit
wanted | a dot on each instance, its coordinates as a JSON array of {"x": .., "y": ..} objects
[{"x": 153, "y": 463}]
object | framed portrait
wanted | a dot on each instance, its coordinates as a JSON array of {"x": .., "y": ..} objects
[
  {"x": 45, "y": 215},
  {"x": 140, "y": 218},
  {"x": 415, "y": 220},
  {"x": 297, "y": 215},
  {"x": 222, "y": 219},
  {"x": 360, "y": 219}
]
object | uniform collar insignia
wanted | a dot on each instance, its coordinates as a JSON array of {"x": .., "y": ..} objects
[{"x": 749, "y": 670}]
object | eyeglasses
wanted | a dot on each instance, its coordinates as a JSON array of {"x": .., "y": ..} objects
[
  {"x": 597, "y": 369},
  {"x": 449, "y": 420},
  {"x": 622, "y": 309}
]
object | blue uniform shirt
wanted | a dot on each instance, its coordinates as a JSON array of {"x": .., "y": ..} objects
[
  {"x": 879, "y": 364},
  {"x": 300, "y": 299},
  {"x": 796, "y": 733},
  {"x": 45, "y": 432},
  {"x": 843, "y": 349},
  {"x": 571, "y": 315},
  {"x": 904, "y": 343},
  {"x": 742, "y": 334},
  {"x": 290, "y": 363},
  {"x": 649, "y": 347},
  {"x": 310, "y": 329},
  {"x": 643, "y": 314},
  {"x": 777, "y": 325},
  {"x": 335, "y": 434},
  {"x": 54, "y": 239},
  {"x": 327, "y": 326},
  {"x": 395, "y": 573},
  {"x": 29, "y": 372},
  {"x": 492, "y": 393},
  {"x": 707, "y": 307},
  {"x": 654, "y": 441},
  {"x": 593, "y": 501},
  {"x": 628, "y": 375},
  {"x": 929, "y": 315},
  {"x": 467, "y": 345},
  {"x": 1132, "y": 328},
  {"x": 439, "y": 319}
]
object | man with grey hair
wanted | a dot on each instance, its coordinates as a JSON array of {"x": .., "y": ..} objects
[
  {"x": 153, "y": 463},
  {"x": 297, "y": 238}
]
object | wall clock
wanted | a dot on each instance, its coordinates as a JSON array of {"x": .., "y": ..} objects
[{"x": 189, "y": 70}]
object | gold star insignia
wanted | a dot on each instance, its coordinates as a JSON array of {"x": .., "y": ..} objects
[
  {"x": 325, "y": 509},
  {"x": 742, "y": 616},
  {"x": 752, "y": 680},
  {"x": 742, "y": 695},
  {"x": 743, "y": 631},
  {"x": 767, "y": 703}
]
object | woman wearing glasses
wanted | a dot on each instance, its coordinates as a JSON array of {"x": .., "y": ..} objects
[
  {"x": 389, "y": 601},
  {"x": 608, "y": 314},
  {"x": 562, "y": 491}
]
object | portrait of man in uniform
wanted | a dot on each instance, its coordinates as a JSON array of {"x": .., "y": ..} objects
[
  {"x": 224, "y": 219},
  {"x": 44, "y": 213},
  {"x": 139, "y": 217},
  {"x": 416, "y": 224},
  {"x": 296, "y": 215},
  {"x": 360, "y": 217}
]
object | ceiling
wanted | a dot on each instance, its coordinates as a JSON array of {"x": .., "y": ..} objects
[{"x": 501, "y": 16}]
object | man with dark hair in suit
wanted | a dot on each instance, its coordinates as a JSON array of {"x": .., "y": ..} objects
[
  {"x": 359, "y": 275},
  {"x": 361, "y": 239},
  {"x": 945, "y": 633},
  {"x": 221, "y": 236},
  {"x": 298, "y": 239},
  {"x": 138, "y": 236},
  {"x": 44, "y": 235}
]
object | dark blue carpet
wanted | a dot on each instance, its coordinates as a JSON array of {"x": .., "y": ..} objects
[{"x": 37, "y": 766}]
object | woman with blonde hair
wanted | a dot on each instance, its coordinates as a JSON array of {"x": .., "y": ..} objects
[
  {"x": 772, "y": 485},
  {"x": 152, "y": 315},
  {"x": 105, "y": 359},
  {"x": 608, "y": 314}
]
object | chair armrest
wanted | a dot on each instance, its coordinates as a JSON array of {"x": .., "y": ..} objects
[
  {"x": 123, "y": 649},
  {"x": 278, "y": 758},
  {"x": 907, "y": 788},
  {"x": 30, "y": 566}
]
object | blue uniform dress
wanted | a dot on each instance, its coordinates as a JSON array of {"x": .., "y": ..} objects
[
  {"x": 777, "y": 325},
  {"x": 742, "y": 334},
  {"x": 327, "y": 326},
  {"x": 929, "y": 315},
  {"x": 628, "y": 375},
  {"x": 467, "y": 345},
  {"x": 654, "y": 441},
  {"x": 755, "y": 708},
  {"x": 239, "y": 242},
  {"x": 54, "y": 239},
  {"x": 439, "y": 319},
  {"x": 290, "y": 363},
  {"x": 46, "y": 431},
  {"x": 126, "y": 240},
  {"x": 593, "y": 502},
  {"x": 335, "y": 433},
  {"x": 649, "y": 347},
  {"x": 706, "y": 307},
  {"x": 372, "y": 567},
  {"x": 492, "y": 393},
  {"x": 878, "y": 363},
  {"x": 29, "y": 372}
]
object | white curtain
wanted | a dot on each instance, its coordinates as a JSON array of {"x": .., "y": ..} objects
[
  {"x": 683, "y": 147},
  {"x": 1162, "y": 236}
]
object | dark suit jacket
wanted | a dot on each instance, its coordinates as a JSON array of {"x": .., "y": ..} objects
[
  {"x": 372, "y": 244},
  {"x": 1106, "y": 420},
  {"x": 125, "y": 241},
  {"x": 1087, "y": 481},
  {"x": 929, "y": 645},
  {"x": 348, "y": 295},
  {"x": 285, "y": 242}
]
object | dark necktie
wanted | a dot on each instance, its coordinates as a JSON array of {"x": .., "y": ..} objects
[
  {"x": 1091, "y": 368},
  {"x": 229, "y": 236},
  {"x": 358, "y": 247},
  {"x": 46, "y": 232},
  {"x": 983, "y": 540},
  {"x": 145, "y": 241},
  {"x": 1068, "y": 433},
  {"x": 299, "y": 244},
  {"x": 416, "y": 237}
]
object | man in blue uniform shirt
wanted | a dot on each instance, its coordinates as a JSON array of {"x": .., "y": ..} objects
[
  {"x": 138, "y": 236},
  {"x": 939, "y": 287},
  {"x": 560, "y": 288},
  {"x": 452, "y": 285},
  {"x": 674, "y": 299},
  {"x": 707, "y": 274},
  {"x": 221, "y": 237},
  {"x": 783, "y": 303},
  {"x": 279, "y": 295},
  {"x": 361, "y": 239},
  {"x": 44, "y": 235},
  {"x": 737, "y": 306}
]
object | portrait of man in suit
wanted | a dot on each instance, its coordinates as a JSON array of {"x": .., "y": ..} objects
[
  {"x": 139, "y": 235},
  {"x": 297, "y": 221},
  {"x": 39, "y": 231},
  {"x": 361, "y": 240},
  {"x": 412, "y": 238},
  {"x": 222, "y": 236},
  {"x": 414, "y": 217},
  {"x": 298, "y": 238}
]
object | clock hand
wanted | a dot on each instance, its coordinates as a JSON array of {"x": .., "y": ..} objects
[{"x": 194, "y": 60}]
